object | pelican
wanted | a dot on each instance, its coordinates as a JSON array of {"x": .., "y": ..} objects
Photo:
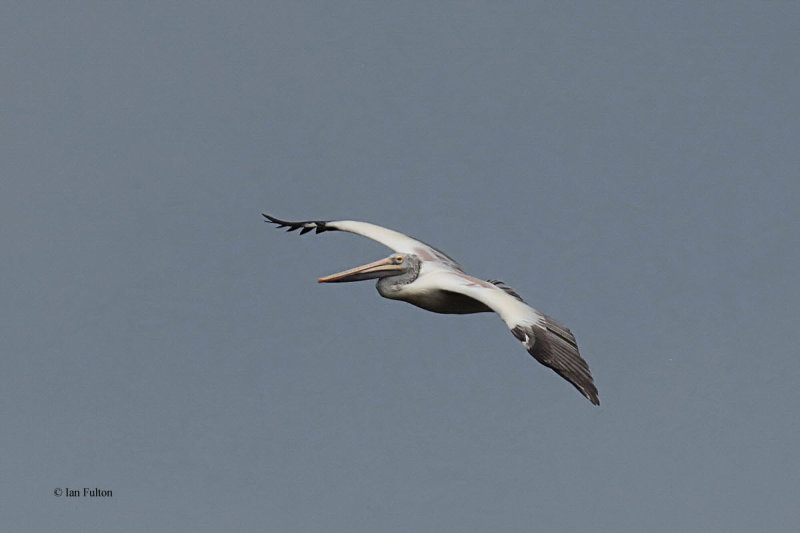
[{"x": 426, "y": 277}]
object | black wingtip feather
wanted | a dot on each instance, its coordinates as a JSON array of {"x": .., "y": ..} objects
[
  {"x": 305, "y": 226},
  {"x": 554, "y": 346}
]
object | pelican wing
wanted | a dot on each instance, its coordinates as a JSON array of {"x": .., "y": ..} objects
[
  {"x": 548, "y": 341},
  {"x": 389, "y": 238}
]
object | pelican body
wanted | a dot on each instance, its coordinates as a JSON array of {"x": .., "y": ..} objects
[{"x": 428, "y": 278}]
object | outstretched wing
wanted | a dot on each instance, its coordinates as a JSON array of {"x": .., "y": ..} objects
[
  {"x": 548, "y": 341},
  {"x": 389, "y": 238}
]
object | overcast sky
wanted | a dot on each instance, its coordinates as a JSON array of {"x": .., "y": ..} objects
[{"x": 630, "y": 168}]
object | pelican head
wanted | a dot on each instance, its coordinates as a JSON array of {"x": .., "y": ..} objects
[{"x": 396, "y": 265}]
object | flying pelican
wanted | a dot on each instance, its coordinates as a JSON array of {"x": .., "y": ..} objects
[{"x": 421, "y": 275}]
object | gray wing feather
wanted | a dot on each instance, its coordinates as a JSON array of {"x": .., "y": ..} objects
[
  {"x": 506, "y": 288},
  {"x": 553, "y": 345}
]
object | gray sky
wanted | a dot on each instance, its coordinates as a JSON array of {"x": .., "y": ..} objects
[{"x": 630, "y": 168}]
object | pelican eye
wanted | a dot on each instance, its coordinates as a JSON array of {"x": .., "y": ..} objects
[{"x": 398, "y": 259}]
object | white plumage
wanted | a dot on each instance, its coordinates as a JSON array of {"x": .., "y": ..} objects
[{"x": 424, "y": 276}]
